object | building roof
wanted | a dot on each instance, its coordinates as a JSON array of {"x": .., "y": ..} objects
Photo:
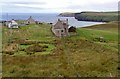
[
  {"x": 30, "y": 19},
  {"x": 61, "y": 24},
  {"x": 13, "y": 22}
]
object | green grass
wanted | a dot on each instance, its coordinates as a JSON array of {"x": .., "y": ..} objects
[
  {"x": 23, "y": 53},
  {"x": 48, "y": 50},
  {"x": 108, "y": 31},
  {"x": 90, "y": 33},
  {"x": 110, "y": 26},
  {"x": 31, "y": 32},
  {"x": 65, "y": 57}
]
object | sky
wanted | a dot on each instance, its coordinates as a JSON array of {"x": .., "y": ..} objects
[{"x": 57, "y": 6}]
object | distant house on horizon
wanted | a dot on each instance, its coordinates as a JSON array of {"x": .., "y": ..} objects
[
  {"x": 30, "y": 20},
  {"x": 61, "y": 28},
  {"x": 13, "y": 24}
]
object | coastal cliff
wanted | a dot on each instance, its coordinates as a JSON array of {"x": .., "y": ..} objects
[
  {"x": 97, "y": 16},
  {"x": 93, "y": 16}
]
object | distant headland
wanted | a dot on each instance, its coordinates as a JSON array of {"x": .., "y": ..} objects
[{"x": 92, "y": 16}]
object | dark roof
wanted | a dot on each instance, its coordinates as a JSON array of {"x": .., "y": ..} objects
[
  {"x": 61, "y": 24},
  {"x": 30, "y": 19}
]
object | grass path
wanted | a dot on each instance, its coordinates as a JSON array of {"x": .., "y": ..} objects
[{"x": 69, "y": 60}]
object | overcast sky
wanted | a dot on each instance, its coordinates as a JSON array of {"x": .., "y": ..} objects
[{"x": 53, "y": 6}]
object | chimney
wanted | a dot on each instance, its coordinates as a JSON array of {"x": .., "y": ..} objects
[
  {"x": 58, "y": 19},
  {"x": 67, "y": 20},
  {"x": 30, "y": 16}
]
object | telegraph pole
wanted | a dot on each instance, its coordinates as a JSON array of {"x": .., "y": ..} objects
[{"x": 10, "y": 32}]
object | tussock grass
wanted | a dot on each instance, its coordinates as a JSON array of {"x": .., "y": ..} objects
[{"x": 64, "y": 57}]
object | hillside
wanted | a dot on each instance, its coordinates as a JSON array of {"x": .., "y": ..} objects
[
  {"x": 110, "y": 26},
  {"x": 97, "y": 16},
  {"x": 82, "y": 55}
]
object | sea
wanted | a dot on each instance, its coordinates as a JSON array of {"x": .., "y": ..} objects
[{"x": 47, "y": 18}]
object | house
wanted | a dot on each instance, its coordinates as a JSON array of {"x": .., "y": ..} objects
[
  {"x": 13, "y": 24},
  {"x": 30, "y": 21},
  {"x": 60, "y": 28}
]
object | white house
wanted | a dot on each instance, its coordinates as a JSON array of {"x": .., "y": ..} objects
[{"x": 13, "y": 24}]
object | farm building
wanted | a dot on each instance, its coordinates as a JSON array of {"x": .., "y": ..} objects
[
  {"x": 13, "y": 24},
  {"x": 60, "y": 28},
  {"x": 30, "y": 20}
]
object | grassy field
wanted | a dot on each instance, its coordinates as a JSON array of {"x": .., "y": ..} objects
[
  {"x": 82, "y": 55},
  {"x": 97, "y": 16}
]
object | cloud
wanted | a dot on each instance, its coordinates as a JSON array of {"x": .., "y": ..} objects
[
  {"x": 58, "y": 5},
  {"x": 98, "y": 7},
  {"x": 23, "y": 2}
]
